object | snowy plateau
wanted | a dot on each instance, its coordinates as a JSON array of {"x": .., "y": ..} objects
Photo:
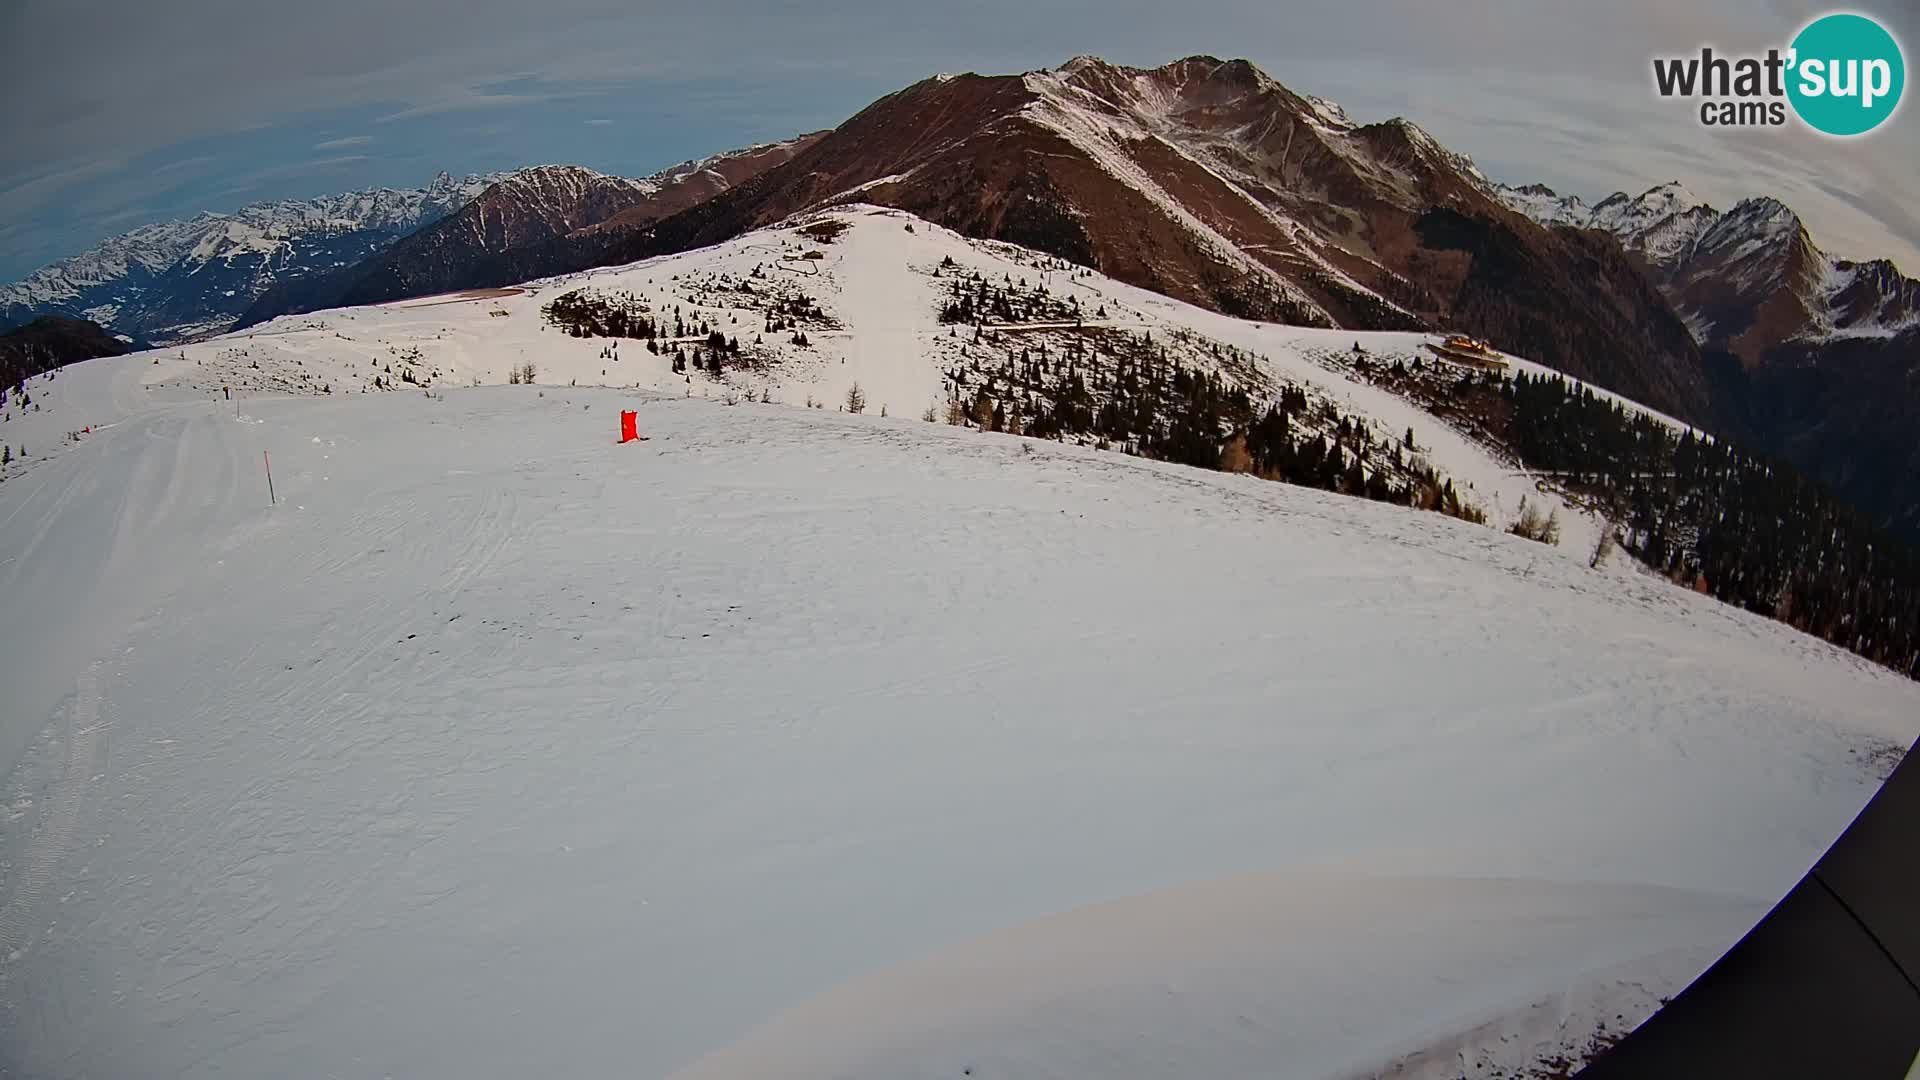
[{"x": 790, "y": 742}]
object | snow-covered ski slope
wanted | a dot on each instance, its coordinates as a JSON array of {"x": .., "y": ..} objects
[
  {"x": 795, "y": 743},
  {"x": 880, "y": 286}
]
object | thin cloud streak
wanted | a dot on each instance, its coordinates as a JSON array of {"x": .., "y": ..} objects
[
  {"x": 471, "y": 100},
  {"x": 33, "y": 192},
  {"x": 253, "y": 180}
]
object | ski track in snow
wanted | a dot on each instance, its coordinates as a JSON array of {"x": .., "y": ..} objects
[
  {"x": 885, "y": 304},
  {"x": 496, "y": 747},
  {"x": 79, "y": 737}
]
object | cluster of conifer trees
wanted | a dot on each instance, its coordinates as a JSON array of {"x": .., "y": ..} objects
[
  {"x": 1745, "y": 529},
  {"x": 1119, "y": 390},
  {"x": 976, "y": 300},
  {"x": 584, "y": 313},
  {"x": 794, "y": 311},
  {"x": 719, "y": 350}
]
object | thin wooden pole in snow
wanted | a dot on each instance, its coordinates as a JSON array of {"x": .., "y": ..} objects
[{"x": 271, "y": 501}]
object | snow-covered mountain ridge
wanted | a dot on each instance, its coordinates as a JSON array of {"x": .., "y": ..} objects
[
  {"x": 1745, "y": 279},
  {"x": 182, "y": 278},
  {"x": 1816, "y": 358},
  {"x": 1208, "y": 181},
  {"x": 870, "y": 309},
  {"x": 529, "y": 210}
]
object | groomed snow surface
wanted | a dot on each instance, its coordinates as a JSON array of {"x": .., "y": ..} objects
[
  {"x": 791, "y": 743},
  {"x": 882, "y": 284}
]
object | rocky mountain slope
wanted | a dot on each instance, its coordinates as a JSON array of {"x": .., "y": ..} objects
[
  {"x": 184, "y": 280},
  {"x": 524, "y": 209},
  {"x": 693, "y": 182},
  {"x": 1210, "y": 182},
  {"x": 178, "y": 280},
  {"x": 1202, "y": 179},
  {"x": 1812, "y": 357},
  {"x": 1746, "y": 279}
]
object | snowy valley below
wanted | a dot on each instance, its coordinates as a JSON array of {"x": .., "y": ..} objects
[{"x": 789, "y": 742}]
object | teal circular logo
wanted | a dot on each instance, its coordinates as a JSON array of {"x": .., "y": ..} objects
[{"x": 1847, "y": 74}]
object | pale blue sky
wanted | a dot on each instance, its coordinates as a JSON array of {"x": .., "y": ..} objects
[{"x": 118, "y": 113}]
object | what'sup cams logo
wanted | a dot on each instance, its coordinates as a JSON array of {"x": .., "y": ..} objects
[{"x": 1841, "y": 75}]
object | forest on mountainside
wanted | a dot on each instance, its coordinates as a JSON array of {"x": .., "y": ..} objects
[{"x": 1743, "y": 528}]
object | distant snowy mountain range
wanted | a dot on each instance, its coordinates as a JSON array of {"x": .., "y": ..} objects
[
  {"x": 184, "y": 280},
  {"x": 1259, "y": 189},
  {"x": 1744, "y": 280},
  {"x": 524, "y": 209},
  {"x": 180, "y": 280},
  {"x": 1810, "y": 357}
]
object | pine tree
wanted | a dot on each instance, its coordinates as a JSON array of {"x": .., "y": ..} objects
[
  {"x": 1235, "y": 457},
  {"x": 1603, "y": 546},
  {"x": 1354, "y": 482}
]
